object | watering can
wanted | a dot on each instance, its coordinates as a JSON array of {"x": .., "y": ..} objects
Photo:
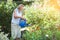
[{"x": 22, "y": 23}]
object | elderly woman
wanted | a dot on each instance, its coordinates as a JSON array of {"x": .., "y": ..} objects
[{"x": 16, "y": 16}]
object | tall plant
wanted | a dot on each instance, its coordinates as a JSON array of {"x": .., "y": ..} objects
[{"x": 46, "y": 18}]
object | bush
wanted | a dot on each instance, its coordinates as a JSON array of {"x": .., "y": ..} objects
[
  {"x": 6, "y": 11},
  {"x": 46, "y": 19},
  {"x": 3, "y": 36},
  {"x": 37, "y": 35}
]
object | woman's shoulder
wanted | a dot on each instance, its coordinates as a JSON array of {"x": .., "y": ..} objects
[{"x": 16, "y": 9}]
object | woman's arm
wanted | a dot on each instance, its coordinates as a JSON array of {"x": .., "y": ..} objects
[{"x": 15, "y": 16}]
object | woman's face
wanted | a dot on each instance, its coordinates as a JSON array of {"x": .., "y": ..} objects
[{"x": 21, "y": 8}]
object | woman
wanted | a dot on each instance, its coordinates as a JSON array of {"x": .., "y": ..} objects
[{"x": 17, "y": 15}]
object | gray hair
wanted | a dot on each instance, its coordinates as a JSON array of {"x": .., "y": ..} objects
[{"x": 20, "y": 5}]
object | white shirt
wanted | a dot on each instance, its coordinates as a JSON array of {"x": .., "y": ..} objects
[{"x": 16, "y": 21}]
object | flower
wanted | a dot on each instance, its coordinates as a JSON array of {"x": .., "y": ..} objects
[{"x": 46, "y": 35}]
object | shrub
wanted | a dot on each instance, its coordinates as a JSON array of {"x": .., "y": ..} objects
[
  {"x": 3, "y": 36},
  {"x": 46, "y": 19},
  {"x": 6, "y": 11}
]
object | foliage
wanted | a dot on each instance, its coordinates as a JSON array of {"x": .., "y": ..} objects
[
  {"x": 37, "y": 35},
  {"x": 6, "y": 11},
  {"x": 46, "y": 18},
  {"x": 3, "y": 36},
  {"x": 41, "y": 17}
]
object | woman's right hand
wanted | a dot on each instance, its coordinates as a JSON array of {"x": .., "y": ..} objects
[{"x": 23, "y": 18}]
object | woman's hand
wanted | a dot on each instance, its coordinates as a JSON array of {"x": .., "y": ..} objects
[{"x": 23, "y": 18}]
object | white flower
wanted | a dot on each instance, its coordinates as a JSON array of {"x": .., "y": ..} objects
[{"x": 46, "y": 35}]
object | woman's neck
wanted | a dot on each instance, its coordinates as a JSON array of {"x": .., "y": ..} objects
[{"x": 19, "y": 10}]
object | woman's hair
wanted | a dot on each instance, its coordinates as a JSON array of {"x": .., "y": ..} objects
[{"x": 21, "y": 5}]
